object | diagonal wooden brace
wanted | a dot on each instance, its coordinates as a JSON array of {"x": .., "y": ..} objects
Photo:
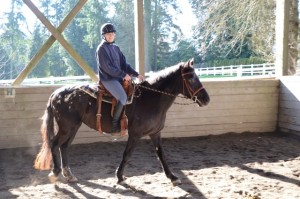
[
  {"x": 38, "y": 56},
  {"x": 58, "y": 36}
]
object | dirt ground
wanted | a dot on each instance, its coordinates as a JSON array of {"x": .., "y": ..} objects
[{"x": 248, "y": 165}]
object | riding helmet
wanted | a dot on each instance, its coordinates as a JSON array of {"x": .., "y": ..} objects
[{"x": 107, "y": 28}]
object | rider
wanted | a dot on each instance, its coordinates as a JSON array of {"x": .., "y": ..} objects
[{"x": 113, "y": 69}]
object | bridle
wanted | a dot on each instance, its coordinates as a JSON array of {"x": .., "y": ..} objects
[{"x": 185, "y": 84}]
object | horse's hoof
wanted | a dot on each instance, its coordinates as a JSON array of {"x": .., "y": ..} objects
[
  {"x": 122, "y": 181},
  {"x": 176, "y": 182},
  {"x": 52, "y": 177},
  {"x": 71, "y": 179},
  {"x": 67, "y": 174}
]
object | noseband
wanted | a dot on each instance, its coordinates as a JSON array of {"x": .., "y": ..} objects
[{"x": 187, "y": 85}]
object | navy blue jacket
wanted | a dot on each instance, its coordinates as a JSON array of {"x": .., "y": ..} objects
[{"x": 112, "y": 63}]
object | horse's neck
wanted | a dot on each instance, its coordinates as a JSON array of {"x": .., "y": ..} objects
[{"x": 169, "y": 91}]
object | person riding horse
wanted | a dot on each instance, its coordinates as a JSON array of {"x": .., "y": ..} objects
[{"x": 113, "y": 69}]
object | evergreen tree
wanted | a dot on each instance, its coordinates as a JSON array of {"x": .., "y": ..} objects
[
  {"x": 124, "y": 22},
  {"x": 74, "y": 34},
  {"x": 160, "y": 30},
  {"x": 42, "y": 69},
  {"x": 185, "y": 50},
  {"x": 13, "y": 41},
  {"x": 94, "y": 14}
]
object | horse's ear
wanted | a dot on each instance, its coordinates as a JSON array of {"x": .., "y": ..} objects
[{"x": 190, "y": 63}]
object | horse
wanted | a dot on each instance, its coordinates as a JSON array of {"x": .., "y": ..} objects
[{"x": 68, "y": 107}]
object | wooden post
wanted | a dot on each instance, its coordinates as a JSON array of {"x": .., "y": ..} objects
[
  {"x": 38, "y": 56},
  {"x": 282, "y": 31},
  {"x": 139, "y": 37}
]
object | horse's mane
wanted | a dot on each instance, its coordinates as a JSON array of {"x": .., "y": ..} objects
[{"x": 162, "y": 74}]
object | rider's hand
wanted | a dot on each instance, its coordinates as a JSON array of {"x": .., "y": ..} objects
[
  {"x": 127, "y": 78},
  {"x": 141, "y": 78}
]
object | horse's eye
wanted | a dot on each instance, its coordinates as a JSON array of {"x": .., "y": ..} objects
[{"x": 191, "y": 80}]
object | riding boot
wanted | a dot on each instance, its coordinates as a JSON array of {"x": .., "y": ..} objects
[{"x": 116, "y": 128}]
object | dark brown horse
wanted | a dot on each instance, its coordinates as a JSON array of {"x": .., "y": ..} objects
[{"x": 69, "y": 107}]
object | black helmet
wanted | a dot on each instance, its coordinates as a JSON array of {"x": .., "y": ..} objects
[{"x": 107, "y": 27}]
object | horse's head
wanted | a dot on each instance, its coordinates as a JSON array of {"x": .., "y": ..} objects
[{"x": 192, "y": 87}]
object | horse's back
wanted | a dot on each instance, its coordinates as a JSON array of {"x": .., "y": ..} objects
[{"x": 70, "y": 103}]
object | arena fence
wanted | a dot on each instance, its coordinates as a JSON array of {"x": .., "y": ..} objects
[{"x": 244, "y": 105}]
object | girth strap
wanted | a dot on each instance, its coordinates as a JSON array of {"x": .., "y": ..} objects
[{"x": 99, "y": 102}]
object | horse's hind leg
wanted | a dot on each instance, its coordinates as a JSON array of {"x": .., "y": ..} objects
[
  {"x": 156, "y": 140},
  {"x": 59, "y": 152},
  {"x": 66, "y": 171},
  {"x": 56, "y": 168}
]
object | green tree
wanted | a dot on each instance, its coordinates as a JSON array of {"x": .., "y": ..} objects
[
  {"x": 185, "y": 50},
  {"x": 161, "y": 31},
  {"x": 42, "y": 69},
  {"x": 94, "y": 14},
  {"x": 13, "y": 41},
  {"x": 231, "y": 29},
  {"x": 56, "y": 53},
  {"x": 4, "y": 59},
  {"x": 123, "y": 20},
  {"x": 74, "y": 34}
]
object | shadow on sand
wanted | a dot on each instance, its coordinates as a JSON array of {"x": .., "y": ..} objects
[{"x": 183, "y": 154}]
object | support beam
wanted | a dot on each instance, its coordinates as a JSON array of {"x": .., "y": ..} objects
[
  {"x": 42, "y": 51},
  {"x": 139, "y": 36},
  {"x": 62, "y": 40},
  {"x": 282, "y": 32}
]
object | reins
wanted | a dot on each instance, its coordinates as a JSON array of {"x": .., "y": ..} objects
[{"x": 185, "y": 85}]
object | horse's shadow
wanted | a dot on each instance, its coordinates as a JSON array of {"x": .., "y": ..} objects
[
  {"x": 183, "y": 154},
  {"x": 200, "y": 153}
]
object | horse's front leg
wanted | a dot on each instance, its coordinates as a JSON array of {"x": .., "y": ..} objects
[
  {"x": 156, "y": 140},
  {"x": 131, "y": 144}
]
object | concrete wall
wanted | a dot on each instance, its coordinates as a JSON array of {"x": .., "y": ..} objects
[
  {"x": 236, "y": 106},
  {"x": 289, "y": 109}
]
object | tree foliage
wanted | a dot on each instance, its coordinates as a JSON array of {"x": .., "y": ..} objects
[
  {"x": 13, "y": 41},
  {"x": 226, "y": 29},
  {"x": 161, "y": 32},
  {"x": 232, "y": 28},
  {"x": 83, "y": 34}
]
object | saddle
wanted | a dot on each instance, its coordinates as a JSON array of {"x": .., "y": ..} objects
[{"x": 104, "y": 95}]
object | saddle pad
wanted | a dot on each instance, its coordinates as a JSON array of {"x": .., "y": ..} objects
[{"x": 92, "y": 90}]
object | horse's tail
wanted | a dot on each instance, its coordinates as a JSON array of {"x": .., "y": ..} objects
[{"x": 44, "y": 158}]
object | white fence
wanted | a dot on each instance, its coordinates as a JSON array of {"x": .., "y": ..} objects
[
  {"x": 50, "y": 80},
  {"x": 267, "y": 69}
]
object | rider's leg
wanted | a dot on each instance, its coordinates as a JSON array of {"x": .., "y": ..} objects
[
  {"x": 116, "y": 89},
  {"x": 116, "y": 128}
]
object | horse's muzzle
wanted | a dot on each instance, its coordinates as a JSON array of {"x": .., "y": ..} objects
[{"x": 202, "y": 99}]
